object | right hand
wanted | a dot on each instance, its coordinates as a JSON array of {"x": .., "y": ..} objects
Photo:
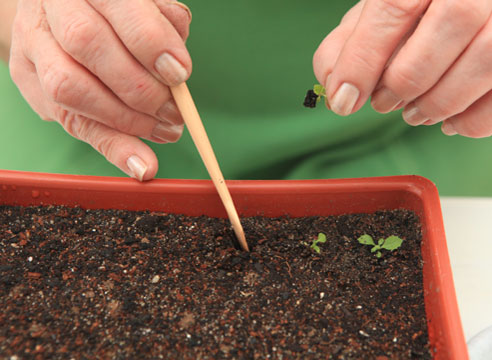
[
  {"x": 431, "y": 58},
  {"x": 102, "y": 69}
]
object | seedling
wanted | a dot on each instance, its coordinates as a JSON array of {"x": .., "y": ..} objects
[
  {"x": 321, "y": 239},
  {"x": 390, "y": 243},
  {"x": 314, "y": 96}
]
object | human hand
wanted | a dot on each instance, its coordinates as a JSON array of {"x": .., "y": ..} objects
[
  {"x": 102, "y": 69},
  {"x": 431, "y": 58}
]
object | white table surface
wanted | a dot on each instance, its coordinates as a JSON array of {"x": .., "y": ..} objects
[{"x": 468, "y": 226}]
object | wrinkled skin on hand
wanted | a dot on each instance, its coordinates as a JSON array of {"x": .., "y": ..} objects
[
  {"x": 430, "y": 57},
  {"x": 102, "y": 70}
]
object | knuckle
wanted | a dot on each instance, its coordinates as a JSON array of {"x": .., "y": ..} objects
[
  {"x": 401, "y": 9},
  {"x": 56, "y": 84},
  {"x": 94, "y": 134},
  {"x": 139, "y": 33},
  {"x": 144, "y": 97},
  {"x": 68, "y": 121},
  {"x": 405, "y": 79},
  {"x": 78, "y": 35},
  {"x": 107, "y": 145}
]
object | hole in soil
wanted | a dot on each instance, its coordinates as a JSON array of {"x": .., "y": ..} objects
[{"x": 230, "y": 238}]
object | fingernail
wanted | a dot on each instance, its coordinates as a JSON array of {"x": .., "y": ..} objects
[
  {"x": 168, "y": 112},
  {"x": 413, "y": 116},
  {"x": 448, "y": 129},
  {"x": 183, "y": 6},
  {"x": 137, "y": 167},
  {"x": 167, "y": 132},
  {"x": 384, "y": 100},
  {"x": 344, "y": 100},
  {"x": 171, "y": 70}
]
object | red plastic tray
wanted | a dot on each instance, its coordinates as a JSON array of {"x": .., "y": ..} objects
[{"x": 273, "y": 198}]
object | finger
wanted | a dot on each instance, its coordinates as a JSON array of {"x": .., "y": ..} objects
[
  {"x": 149, "y": 36},
  {"x": 381, "y": 26},
  {"x": 328, "y": 51},
  {"x": 178, "y": 14},
  {"x": 23, "y": 74},
  {"x": 88, "y": 38},
  {"x": 126, "y": 152},
  {"x": 464, "y": 83},
  {"x": 474, "y": 122},
  {"x": 70, "y": 85},
  {"x": 23, "y": 71},
  {"x": 443, "y": 33},
  {"x": 116, "y": 147}
]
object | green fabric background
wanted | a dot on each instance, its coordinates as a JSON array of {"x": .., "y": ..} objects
[{"x": 251, "y": 69}]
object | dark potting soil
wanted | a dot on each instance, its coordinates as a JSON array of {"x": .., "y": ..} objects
[
  {"x": 311, "y": 99},
  {"x": 94, "y": 284}
]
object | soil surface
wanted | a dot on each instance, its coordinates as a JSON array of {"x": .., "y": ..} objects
[{"x": 94, "y": 284}]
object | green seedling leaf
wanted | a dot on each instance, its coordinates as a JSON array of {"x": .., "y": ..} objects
[
  {"x": 321, "y": 239},
  {"x": 392, "y": 243},
  {"x": 319, "y": 90},
  {"x": 366, "y": 240}
]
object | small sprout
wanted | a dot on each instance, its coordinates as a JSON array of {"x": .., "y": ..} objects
[
  {"x": 314, "y": 96},
  {"x": 319, "y": 90},
  {"x": 321, "y": 239},
  {"x": 390, "y": 243}
]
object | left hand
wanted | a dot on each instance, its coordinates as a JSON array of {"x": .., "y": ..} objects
[{"x": 430, "y": 57}]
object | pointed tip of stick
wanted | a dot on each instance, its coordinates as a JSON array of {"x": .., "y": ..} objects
[
  {"x": 192, "y": 119},
  {"x": 243, "y": 242},
  {"x": 239, "y": 231}
]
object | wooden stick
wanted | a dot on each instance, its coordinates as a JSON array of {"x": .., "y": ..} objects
[{"x": 192, "y": 120}]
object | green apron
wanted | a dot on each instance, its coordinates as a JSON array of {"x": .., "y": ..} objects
[{"x": 252, "y": 65}]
